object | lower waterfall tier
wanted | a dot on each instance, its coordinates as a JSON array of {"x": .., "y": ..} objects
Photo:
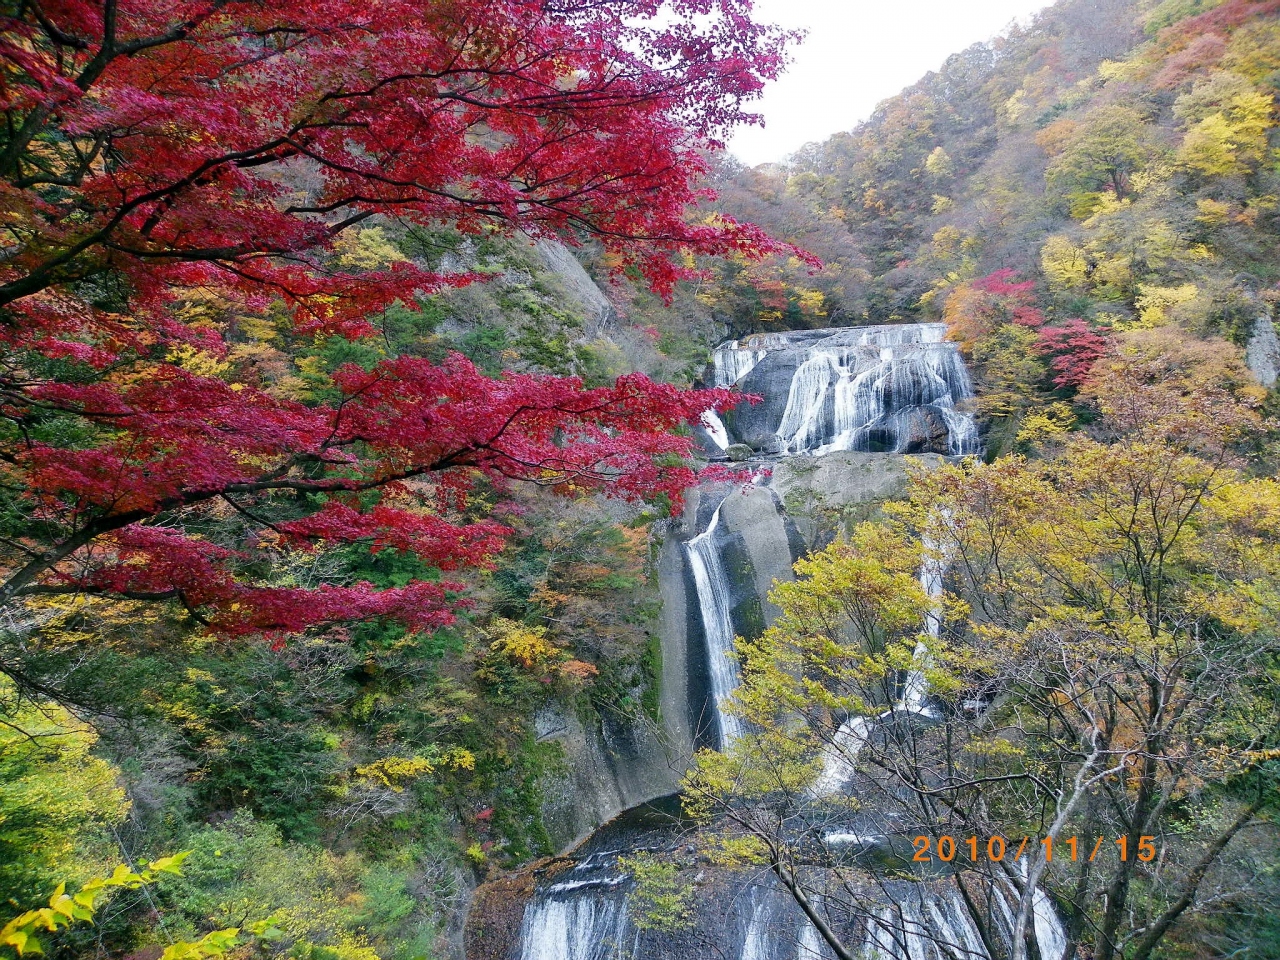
[{"x": 580, "y": 907}]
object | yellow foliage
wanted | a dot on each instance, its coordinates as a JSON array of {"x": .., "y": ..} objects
[
  {"x": 735, "y": 851},
  {"x": 522, "y": 644},
  {"x": 938, "y": 164},
  {"x": 1228, "y": 120},
  {"x": 947, "y": 242},
  {"x": 1083, "y": 204},
  {"x": 396, "y": 772},
  {"x": 1016, "y": 106},
  {"x": 198, "y": 362},
  {"x": 57, "y": 799},
  {"x": 366, "y": 250},
  {"x": 1254, "y": 52},
  {"x": 1049, "y": 424},
  {"x": 812, "y": 303},
  {"x": 1154, "y": 303},
  {"x": 1065, "y": 265},
  {"x": 1213, "y": 213},
  {"x": 65, "y": 910},
  {"x": 259, "y": 329},
  {"x": 1121, "y": 70},
  {"x": 1210, "y": 149}
]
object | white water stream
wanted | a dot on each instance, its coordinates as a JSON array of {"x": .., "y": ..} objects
[
  {"x": 865, "y": 388},
  {"x": 712, "y": 586},
  {"x": 716, "y": 429},
  {"x": 862, "y": 388}
]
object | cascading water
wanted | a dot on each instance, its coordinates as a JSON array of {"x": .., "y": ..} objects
[
  {"x": 730, "y": 366},
  {"x": 582, "y": 917},
  {"x": 733, "y": 360},
  {"x": 712, "y": 587},
  {"x": 899, "y": 388},
  {"x": 849, "y": 385},
  {"x": 892, "y": 389},
  {"x": 715, "y": 429},
  {"x": 933, "y": 568},
  {"x": 756, "y": 944}
]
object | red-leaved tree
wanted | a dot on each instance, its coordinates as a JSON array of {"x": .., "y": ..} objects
[{"x": 159, "y": 151}]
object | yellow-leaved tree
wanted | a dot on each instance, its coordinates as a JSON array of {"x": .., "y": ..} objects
[{"x": 1101, "y": 667}]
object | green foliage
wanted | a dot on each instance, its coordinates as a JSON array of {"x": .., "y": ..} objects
[
  {"x": 651, "y": 699},
  {"x": 65, "y": 910},
  {"x": 251, "y": 724},
  {"x": 1111, "y": 144},
  {"x": 484, "y": 346},
  {"x": 232, "y": 874},
  {"x": 1171, "y": 11},
  {"x": 58, "y": 801},
  {"x": 661, "y": 898}
]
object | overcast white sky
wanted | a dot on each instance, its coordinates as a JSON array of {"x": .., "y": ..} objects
[{"x": 858, "y": 53}]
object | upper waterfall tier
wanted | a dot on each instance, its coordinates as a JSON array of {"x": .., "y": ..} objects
[{"x": 900, "y": 388}]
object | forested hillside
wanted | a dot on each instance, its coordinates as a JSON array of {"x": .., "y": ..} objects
[
  {"x": 325, "y": 466},
  {"x": 1089, "y": 204},
  {"x": 1107, "y": 169},
  {"x": 333, "y": 472}
]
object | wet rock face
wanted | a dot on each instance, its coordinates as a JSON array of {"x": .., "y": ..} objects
[
  {"x": 756, "y": 424},
  {"x": 1263, "y": 353},
  {"x": 899, "y": 388},
  {"x": 610, "y": 766},
  {"x": 579, "y": 907},
  {"x": 923, "y": 431}
]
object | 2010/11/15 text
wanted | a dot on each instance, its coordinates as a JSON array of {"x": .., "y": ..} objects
[{"x": 996, "y": 848}]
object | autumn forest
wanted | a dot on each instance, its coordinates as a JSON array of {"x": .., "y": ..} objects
[{"x": 452, "y": 508}]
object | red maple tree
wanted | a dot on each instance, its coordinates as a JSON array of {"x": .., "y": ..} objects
[
  {"x": 155, "y": 149},
  {"x": 1073, "y": 348}
]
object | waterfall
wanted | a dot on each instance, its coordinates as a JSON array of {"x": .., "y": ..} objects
[
  {"x": 581, "y": 928},
  {"x": 933, "y": 568},
  {"x": 583, "y": 917},
  {"x": 806, "y": 418},
  {"x": 950, "y": 917},
  {"x": 946, "y": 917},
  {"x": 890, "y": 388},
  {"x": 867, "y": 388},
  {"x": 840, "y": 757},
  {"x": 712, "y": 586},
  {"x": 811, "y": 946},
  {"x": 898, "y": 388},
  {"x": 731, "y": 362},
  {"x": 756, "y": 945},
  {"x": 1050, "y": 934},
  {"x": 715, "y": 429}
]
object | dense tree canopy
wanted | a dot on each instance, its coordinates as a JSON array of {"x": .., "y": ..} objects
[
  {"x": 1102, "y": 669},
  {"x": 169, "y": 168}
]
